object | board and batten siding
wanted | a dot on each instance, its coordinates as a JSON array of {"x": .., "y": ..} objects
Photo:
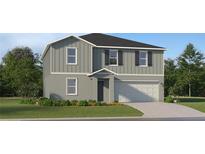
[
  {"x": 128, "y": 66},
  {"x": 59, "y": 59}
]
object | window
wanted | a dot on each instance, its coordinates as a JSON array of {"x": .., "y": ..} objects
[
  {"x": 71, "y": 88},
  {"x": 143, "y": 58},
  {"x": 72, "y": 56},
  {"x": 113, "y": 57}
]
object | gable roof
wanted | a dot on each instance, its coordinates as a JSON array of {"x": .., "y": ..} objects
[
  {"x": 107, "y": 40},
  {"x": 101, "y": 70},
  {"x": 71, "y": 36}
]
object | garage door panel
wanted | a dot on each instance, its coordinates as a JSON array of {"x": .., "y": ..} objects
[{"x": 136, "y": 92}]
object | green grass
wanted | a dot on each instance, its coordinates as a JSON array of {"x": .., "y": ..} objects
[
  {"x": 13, "y": 109},
  {"x": 197, "y": 103}
]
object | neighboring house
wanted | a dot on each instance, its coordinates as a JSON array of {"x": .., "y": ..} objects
[{"x": 104, "y": 68}]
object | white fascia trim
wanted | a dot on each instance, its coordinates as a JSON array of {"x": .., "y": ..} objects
[
  {"x": 124, "y": 74},
  {"x": 88, "y": 74},
  {"x": 68, "y": 73},
  {"x": 139, "y": 48},
  {"x": 102, "y": 70},
  {"x": 84, "y": 40},
  {"x": 140, "y": 74},
  {"x": 157, "y": 81}
]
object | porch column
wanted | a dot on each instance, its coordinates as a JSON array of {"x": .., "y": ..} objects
[
  {"x": 111, "y": 89},
  {"x": 94, "y": 89}
]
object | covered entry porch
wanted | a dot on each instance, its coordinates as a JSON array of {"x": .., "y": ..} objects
[
  {"x": 104, "y": 80},
  {"x": 111, "y": 87}
]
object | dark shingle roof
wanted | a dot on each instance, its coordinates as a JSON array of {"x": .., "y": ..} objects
[{"x": 108, "y": 40}]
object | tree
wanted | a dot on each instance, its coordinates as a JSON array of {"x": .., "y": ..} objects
[
  {"x": 170, "y": 76},
  {"x": 5, "y": 90},
  {"x": 190, "y": 66},
  {"x": 23, "y": 72},
  {"x": 185, "y": 75}
]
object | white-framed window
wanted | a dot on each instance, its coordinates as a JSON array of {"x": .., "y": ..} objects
[
  {"x": 71, "y": 86},
  {"x": 143, "y": 58},
  {"x": 71, "y": 54},
  {"x": 113, "y": 57}
]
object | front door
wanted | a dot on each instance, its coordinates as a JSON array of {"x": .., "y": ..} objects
[{"x": 100, "y": 90}]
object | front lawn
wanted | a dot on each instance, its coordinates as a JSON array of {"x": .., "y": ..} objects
[
  {"x": 197, "y": 103},
  {"x": 13, "y": 109}
]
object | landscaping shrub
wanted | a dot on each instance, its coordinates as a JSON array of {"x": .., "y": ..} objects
[
  {"x": 59, "y": 103},
  {"x": 55, "y": 103},
  {"x": 50, "y": 102},
  {"x": 67, "y": 103},
  {"x": 98, "y": 103},
  {"x": 43, "y": 98},
  {"x": 104, "y": 104},
  {"x": 83, "y": 103},
  {"x": 92, "y": 102},
  {"x": 115, "y": 103},
  {"x": 45, "y": 102},
  {"x": 74, "y": 102},
  {"x": 176, "y": 100},
  {"x": 169, "y": 99},
  {"x": 23, "y": 101},
  {"x": 62, "y": 103},
  {"x": 28, "y": 101}
]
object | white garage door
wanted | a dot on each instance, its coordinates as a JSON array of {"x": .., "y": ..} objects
[{"x": 126, "y": 91}]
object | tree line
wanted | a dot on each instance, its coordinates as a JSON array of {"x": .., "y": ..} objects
[
  {"x": 21, "y": 73},
  {"x": 185, "y": 75}
]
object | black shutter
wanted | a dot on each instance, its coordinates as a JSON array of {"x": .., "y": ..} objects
[
  {"x": 106, "y": 57},
  {"x": 149, "y": 58},
  {"x": 120, "y": 57},
  {"x": 136, "y": 58}
]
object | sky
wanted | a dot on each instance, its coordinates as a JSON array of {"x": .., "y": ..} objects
[{"x": 175, "y": 43}]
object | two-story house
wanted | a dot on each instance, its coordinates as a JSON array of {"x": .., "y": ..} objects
[{"x": 104, "y": 68}]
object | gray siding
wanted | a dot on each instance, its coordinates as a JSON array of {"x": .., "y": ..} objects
[
  {"x": 128, "y": 66},
  {"x": 46, "y": 72},
  {"x": 58, "y": 53},
  {"x": 56, "y": 87}
]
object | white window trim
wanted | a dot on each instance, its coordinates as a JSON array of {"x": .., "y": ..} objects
[
  {"x": 76, "y": 87},
  {"x": 146, "y": 65},
  {"x": 76, "y": 55},
  {"x": 112, "y": 58}
]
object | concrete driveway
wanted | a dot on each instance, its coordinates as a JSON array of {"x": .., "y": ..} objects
[{"x": 165, "y": 110}]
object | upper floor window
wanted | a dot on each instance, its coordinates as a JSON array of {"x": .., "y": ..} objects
[
  {"x": 143, "y": 58},
  {"x": 71, "y": 86},
  {"x": 113, "y": 57},
  {"x": 71, "y": 56}
]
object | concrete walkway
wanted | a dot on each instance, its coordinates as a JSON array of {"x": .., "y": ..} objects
[{"x": 165, "y": 110}]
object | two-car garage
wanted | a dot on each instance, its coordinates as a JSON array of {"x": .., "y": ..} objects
[{"x": 136, "y": 91}]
